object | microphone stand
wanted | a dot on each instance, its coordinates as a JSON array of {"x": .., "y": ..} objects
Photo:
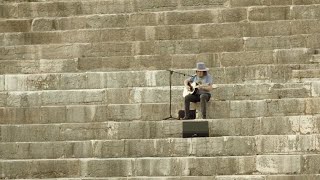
[{"x": 170, "y": 84}]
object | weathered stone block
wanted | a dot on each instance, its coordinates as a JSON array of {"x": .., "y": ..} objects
[
  {"x": 241, "y": 177},
  {"x": 267, "y": 28},
  {"x": 244, "y": 3},
  {"x": 27, "y": 115},
  {"x": 292, "y": 56},
  {"x": 305, "y": 26},
  {"x": 143, "y": 19},
  {"x": 108, "y": 148},
  {"x": 81, "y": 81},
  {"x": 305, "y": 2},
  {"x": 278, "y": 164},
  {"x": 159, "y": 111},
  {"x": 32, "y": 82},
  {"x": 270, "y": 43},
  {"x": 58, "y": 65},
  {"x": 293, "y": 177},
  {"x": 221, "y": 166},
  {"x": 9, "y": 11},
  {"x": 107, "y": 49},
  {"x": 120, "y": 112},
  {"x": 83, "y": 131},
  {"x": 125, "y": 34},
  {"x": 158, "y": 167},
  {"x": 174, "y": 32},
  {"x": 200, "y": 3},
  {"x": 189, "y": 17},
  {"x": 286, "y": 144},
  {"x": 235, "y": 127},
  {"x": 2, "y": 82},
  {"x": 46, "y": 150},
  {"x": 85, "y": 36},
  {"x": 247, "y": 109},
  {"x": 221, "y": 45},
  {"x": 286, "y": 107},
  {"x": 246, "y": 58},
  {"x": 30, "y": 133},
  {"x": 177, "y": 47},
  {"x": 83, "y": 114},
  {"x": 15, "y": 25},
  {"x": 311, "y": 164},
  {"x": 109, "y": 7},
  {"x": 225, "y": 30},
  {"x": 56, "y": 51},
  {"x": 269, "y": 13},
  {"x": 151, "y": 62},
  {"x": 120, "y": 96},
  {"x": 233, "y": 15},
  {"x": 23, "y": 99},
  {"x": 145, "y": 48},
  {"x": 109, "y": 168},
  {"x": 53, "y": 114},
  {"x": 73, "y": 97},
  {"x": 161, "y": 5},
  {"x": 305, "y": 12},
  {"x": 40, "y": 169}
]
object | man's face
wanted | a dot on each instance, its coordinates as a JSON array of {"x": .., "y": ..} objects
[{"x": 200, "y": 73}]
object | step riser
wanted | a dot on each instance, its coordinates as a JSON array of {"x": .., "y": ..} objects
[
  {"x": 166, "y": 129},
  {"x": 200, "y": 147},
  {"x": 166, "y": 47},
  {"x": 304, "y": 164},
  {"x": 100, "y": 32},
  {"x": 120, "y": 112}
]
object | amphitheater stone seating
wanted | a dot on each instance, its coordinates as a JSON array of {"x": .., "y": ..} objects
[{"x": 84, "y": 89}]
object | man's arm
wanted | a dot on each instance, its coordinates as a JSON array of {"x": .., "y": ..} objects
[{"x": 206, "y": 87}]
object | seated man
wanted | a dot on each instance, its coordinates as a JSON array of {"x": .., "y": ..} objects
[{"x": 198, "y": 90}]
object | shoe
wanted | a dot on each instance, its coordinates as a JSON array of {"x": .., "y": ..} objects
[{"x": 204, "y": 117}]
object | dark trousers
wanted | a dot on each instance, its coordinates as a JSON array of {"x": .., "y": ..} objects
[{"x": 202, "y": 98}]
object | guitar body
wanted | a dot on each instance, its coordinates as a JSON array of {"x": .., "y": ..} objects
[{"x": 193, "y": 89}]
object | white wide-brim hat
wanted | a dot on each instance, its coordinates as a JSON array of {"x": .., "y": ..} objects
[{"x": 201, "y": 67}]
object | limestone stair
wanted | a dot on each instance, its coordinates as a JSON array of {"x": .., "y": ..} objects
[{"x": 84, "y": 89}]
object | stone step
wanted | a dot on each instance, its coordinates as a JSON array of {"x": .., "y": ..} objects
[
  {"x": 15, "y": 25},
  {"x": 218, "y": 177},
  {"x": 297, "y": 56},
  {"x": 265, "y": 73},
  {"x": 315, "y": 58},
  {"x": 74, "y": 8},
  {"x": 306, "y": 73},
  {"x": 253, "y": 13},
  {"x": 32, "y": 103},
  {"x": 99, "y": 80},
  {"x": 223, "y": 177},
  {"x": 74, "y": 36},
  {"x": 175, "y": 166},
  {"x": 133, "y": 95},
  {"x": 161, "y": 47},
  {"x": 111, "y": 130},
  {"x": 39, "y": 66},
  {"x": 154, "y": 111},
  {"x": 169, "y": 147},
  {"x": 104, "y": 33},
  {"x": 232, "y": 3}
]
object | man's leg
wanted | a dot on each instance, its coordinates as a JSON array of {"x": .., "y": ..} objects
[
  {"x": 204, "y": 98},
  {"x": 187, "y": 100}
]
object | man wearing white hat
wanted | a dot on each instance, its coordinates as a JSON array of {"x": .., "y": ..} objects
[{"x": 199, "y": 87}]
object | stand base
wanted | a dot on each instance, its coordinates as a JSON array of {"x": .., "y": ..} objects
[{"x": 170, "y": 117}]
